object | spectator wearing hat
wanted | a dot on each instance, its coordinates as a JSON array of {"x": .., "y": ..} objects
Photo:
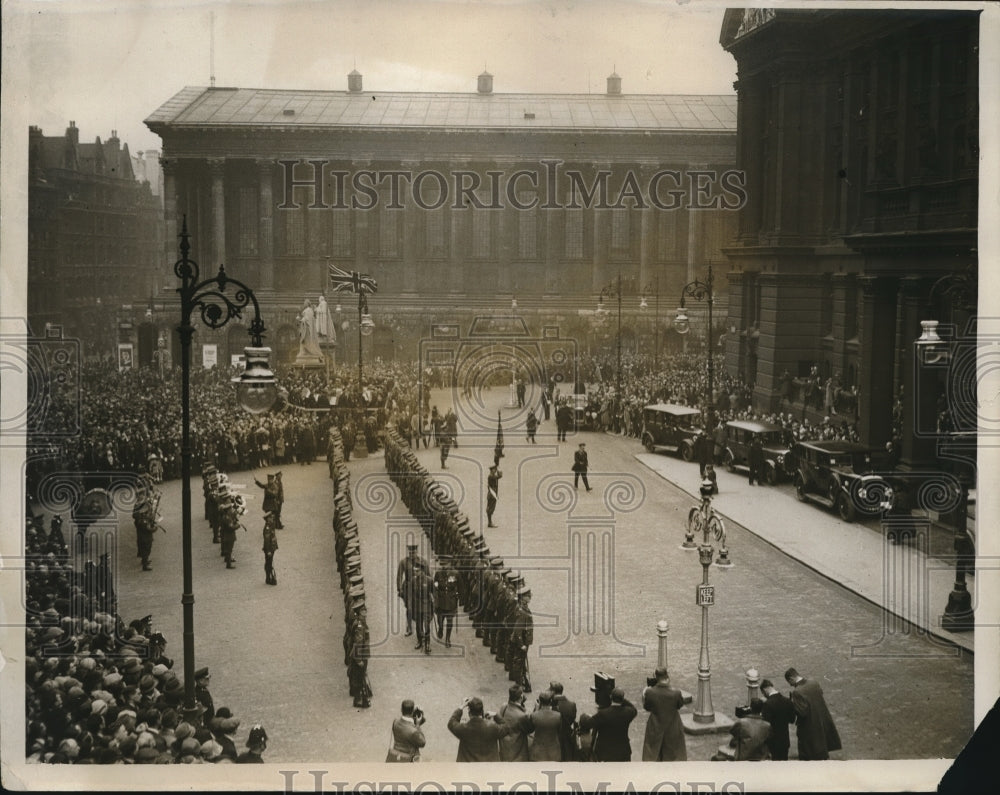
[
  {"x": 610, "y": 724},
  {"x": 580, "y": 465},
  {"x": 546, "y": 725},
  {"x": 478, "y": 737},
  {"x": 407, "y": 736},
  {"x": 514, "y": 747},
  {"x": 779, "y": 712},
  {"x": 664, "y": 738},
  {"x": 223, "y": 727},
  {"x": 492, "y": 491},
  {"x": 445, "y": 598},
  {"x": 269, "y": 548},
  {"x": 815, "y": 730}
]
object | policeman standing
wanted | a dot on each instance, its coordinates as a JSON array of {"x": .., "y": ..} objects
[{"x": 756, "y": 460}]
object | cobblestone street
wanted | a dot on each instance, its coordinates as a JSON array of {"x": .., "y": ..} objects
[{"x": 604, "y": 568}]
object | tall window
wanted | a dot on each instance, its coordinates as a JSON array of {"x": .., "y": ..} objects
[
  {"x": 341, "y": 233},
  {"x": 295, "y": 231},
  {"x": 527, "y": 229},
  {"x": 388, "y": 231},
  {"x": 482, "y": 244},
  {"x": 248, "y": 221},
  {"x": 574, "y": 232},
  {"x": 852, "y": 300},
  {"x": 620, "y": 232}
]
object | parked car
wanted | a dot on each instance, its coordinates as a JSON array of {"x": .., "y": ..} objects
[
  {"x": 839, "y": 475},
  {"x": 666, "y": 425},
  {"x": 740, "y": 435}
]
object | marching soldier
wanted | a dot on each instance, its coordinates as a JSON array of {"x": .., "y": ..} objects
[
  {"x": 405, "y": 579},
  {"x": 229, "y": 521},
  {"x": 492, "y": 488},
  {"x": 521, "y": 638},
  {"x": 422, "y": 606},
  {"x": 269, "y": 548},
  {"x": 360, "y": 651}
]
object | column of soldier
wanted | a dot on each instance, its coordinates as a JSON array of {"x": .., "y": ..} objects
[
  {"x": 495, "y": 598},
  {"x": 223, "y": 509},
  {"x": 357, "y": 639}
]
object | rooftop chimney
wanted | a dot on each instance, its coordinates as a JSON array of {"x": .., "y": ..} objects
[
  {"x": 614, "y": 84},
  {"x": 485, "y": 85},
  {"x": 354, "y": 81}
]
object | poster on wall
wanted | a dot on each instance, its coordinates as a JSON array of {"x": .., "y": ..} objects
[
  {"x": 125, "y": 358},
  {"x": 209, "y": 356},
  {"x": 237, "y": 361}
]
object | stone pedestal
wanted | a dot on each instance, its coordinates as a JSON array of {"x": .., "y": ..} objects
[{"x": 721, "y": 723}]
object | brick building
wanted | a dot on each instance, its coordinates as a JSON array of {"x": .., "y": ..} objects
[
  {"x": 858, "y": 132},
  {"x": 94, "y": 242},
  {"x": 455, "y": 202}
]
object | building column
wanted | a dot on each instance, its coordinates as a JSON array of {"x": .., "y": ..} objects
[
  {"x": 411, "y": 217},
  {"x": 361, "y": 227},
  {"x": 217, "y": 170},
  {"x": 877, "y": 338},
  {"x": 265, "y": 229},
  {"x": 602, "y": 236},
  {"x": 647, "y": 234},
  {"x": 169, "y": 166}
]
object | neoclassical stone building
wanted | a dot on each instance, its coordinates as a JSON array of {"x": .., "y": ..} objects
[{"x": 455, "y": 203}]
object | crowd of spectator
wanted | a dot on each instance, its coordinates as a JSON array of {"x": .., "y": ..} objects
[{"x": 100, "y": 691}]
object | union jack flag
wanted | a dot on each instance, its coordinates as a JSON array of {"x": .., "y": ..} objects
[{"x": 351, "y": 281}]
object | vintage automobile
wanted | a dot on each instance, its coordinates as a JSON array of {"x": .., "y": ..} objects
[
  {"x": 839, "y": 475},
  {"x": 669, "y": 426},
  {"x": 740, "y": 435}
]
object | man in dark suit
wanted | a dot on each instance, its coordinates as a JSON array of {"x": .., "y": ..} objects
[
  {"x": 815, "y": 730},
  {"x": 664, "y": 739},
  {"x": 580, "y": 465},
  {"x": 779, "y": 712},
  {"x": 610, "y": 724},
  {"x": 407, "y": 737},
  {"x": 545, "y": 726},
  {"x": 567, "y": 710},
  {"x": 478, "y": 737}
]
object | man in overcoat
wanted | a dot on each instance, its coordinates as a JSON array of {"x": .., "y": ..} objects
[
  {"x": 778, "y": 711},
  {"x": 610, "y": 724},
  {"x": 664, "y": 739},
  {"x": 546, "y": 724},
  {"x": 478, "y": 737},
  {"x": 816, "y": 732},
  {"x": 407, "y": 737}
]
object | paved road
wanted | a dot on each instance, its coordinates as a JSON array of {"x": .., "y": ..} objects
[{"x": 604, "y": 567}]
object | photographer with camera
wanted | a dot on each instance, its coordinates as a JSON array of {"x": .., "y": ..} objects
[
  {"x": 478, "y": 737},
  {"x": 664, "y": 739},
  {"x": 407, "y": 737}
]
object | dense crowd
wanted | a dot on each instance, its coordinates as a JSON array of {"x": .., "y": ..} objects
[{"x": 100, "y": 691}]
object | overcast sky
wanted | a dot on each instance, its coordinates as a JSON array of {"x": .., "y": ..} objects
[{"x": 108, "y": 65}]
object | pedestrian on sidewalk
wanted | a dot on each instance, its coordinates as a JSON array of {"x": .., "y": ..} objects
[
  {"x": 532, "y": 426},
  {"x": 815, "y": 730},
  {"x": 580, "y": 466},
  {"x": 407, "y": 736},
  {"x": 492, "y": 491},
  {"x": 269, "y": 548}
]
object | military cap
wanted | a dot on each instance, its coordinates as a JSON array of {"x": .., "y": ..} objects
[
  {"x": 200, "y": 673},
  {"x": 496, "y": 562},
  {"x": 523, "y": 592},
  {"x": 413, "y": 547}
]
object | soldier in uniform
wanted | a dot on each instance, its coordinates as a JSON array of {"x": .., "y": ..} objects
[
  {"x": 446, "y": 599},
  {"x": 201, "y": 694},
  {"x": 144, "y": 516},
  {"x": 422, "y": 606},
  {"x": 445, "y": 447},
  {"x": 229, "y": 521},
  {"x": 281, "y": 501},
  {"x": 492, "y": 489},
  {"x": 269, "y": 548},
  {"x": 357, "y": 671},
  {"x": 270, "y": 494},
  {"x": 405, "y": 579},
  {"x": 521, "y": 638}
]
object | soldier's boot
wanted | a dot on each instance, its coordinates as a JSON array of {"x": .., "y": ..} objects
[
  {"x": 420, "y": 642},
  {"x": 447, "y": 637},
  {"x": 440, "y": 628},
  {"x": 145, "y": 565},
  {"x": 229, "y": 563},
  {"x": 427, "y": 646}
]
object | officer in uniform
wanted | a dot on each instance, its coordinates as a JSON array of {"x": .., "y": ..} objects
[
  {"x": 405, "y": 578},
  {"x": 446, "y": 598},
  {"x": 360, "y": 651},
  {"x": 229, "y": 521},
  {"x": 421, "y": 600},
  {"x": 281, "y": 501},
  {"x": 521, "y": 638},
  {"x": 492, "y": 488},
  {"x": 269, "y": 548}
]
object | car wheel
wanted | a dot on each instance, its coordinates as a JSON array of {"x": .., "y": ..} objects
[
  {"x": 771, "y": 475},
  {"x": 686, "y": 452},
  {"x": 729, "y": 462},
  {"x": 845, "y": 508},
  {"x": 800, "y": 487},
  {"x": 647, "y": 442}
]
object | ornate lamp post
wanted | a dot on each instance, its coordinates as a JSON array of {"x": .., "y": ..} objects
[
  {"x": 256, "y": 391},
  {"x": 653, "y": 288},
  {"x": 701, "y": 291},
  {"x": 703, "y": 519}
]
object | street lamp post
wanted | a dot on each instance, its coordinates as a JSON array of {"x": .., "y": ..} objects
[
  {"x": 512, "y": 401},
  {"x": 701, "y": 291},
  {"x": 361, "y": 284},
  {"x": 614, "y": 288},
  {"x": 653, "y": 289},
  {"x": 256, "y": 392}
]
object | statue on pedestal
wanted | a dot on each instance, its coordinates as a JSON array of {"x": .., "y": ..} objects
[{"x": 309, "y": 351}]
